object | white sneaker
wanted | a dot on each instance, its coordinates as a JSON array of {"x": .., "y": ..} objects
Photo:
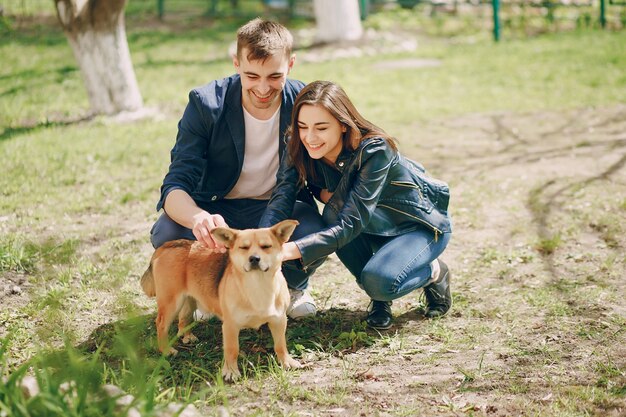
[
  {"x": 302, "y": 304},
  {"x": 200, "y": 315}
]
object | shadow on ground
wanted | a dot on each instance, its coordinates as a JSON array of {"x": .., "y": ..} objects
[{"x": 337, "y": 330}]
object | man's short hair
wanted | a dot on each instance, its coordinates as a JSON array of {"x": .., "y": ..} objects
[{"x": 262, "y": 39}]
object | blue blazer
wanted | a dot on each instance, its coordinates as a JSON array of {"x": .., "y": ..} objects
[{"x": 207, "y": 158}]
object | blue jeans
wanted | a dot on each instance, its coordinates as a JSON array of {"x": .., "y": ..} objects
[
  {"x": 246, "y": 214},
  {"x": 390, "y": 267}
]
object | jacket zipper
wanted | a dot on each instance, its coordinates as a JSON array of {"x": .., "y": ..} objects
[
  {"x": 437, "y": 231},
  {"x": 408, "y": 185}
]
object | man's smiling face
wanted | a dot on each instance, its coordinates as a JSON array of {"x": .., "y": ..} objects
[{"x": 262, "y": 82}]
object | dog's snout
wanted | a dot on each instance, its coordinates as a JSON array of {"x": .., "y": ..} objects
[{"x": 254, "y": 259}]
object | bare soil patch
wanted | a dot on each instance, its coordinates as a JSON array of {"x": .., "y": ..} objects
[
  {"x": 531, "y": 328},
  {"x": 538, "y": 267}
]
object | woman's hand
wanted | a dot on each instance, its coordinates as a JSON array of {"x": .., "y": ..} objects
[
  {"x": 291, "y": 251},
  {"x": 325, "y": 195}
]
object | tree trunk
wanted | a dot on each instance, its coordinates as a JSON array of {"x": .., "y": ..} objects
[
  {"x": 337, "y": 20},
  {"x": 95, "y": 31}
]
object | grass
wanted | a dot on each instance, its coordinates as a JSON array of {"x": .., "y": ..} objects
[
  {"x": 19, "y": 255},
  {"x": 71, "y": 383},
  {"x": 548, "y": 245},
  {"x": 77, "y": 200}
]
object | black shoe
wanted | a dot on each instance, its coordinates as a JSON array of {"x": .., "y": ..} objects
[
  {"x": 379, "y": 315},
  {"x": 438, "y": 298}
]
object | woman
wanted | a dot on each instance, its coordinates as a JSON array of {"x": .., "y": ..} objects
[{"x": 386, "y": 218}]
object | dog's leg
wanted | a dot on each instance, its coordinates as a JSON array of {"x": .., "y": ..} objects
[
  {"x": 230, "y": 333},
  {"x": 185, "y": 316},
  {"x": 166, "y": 311},
  {"x": 278, "y": 327}
]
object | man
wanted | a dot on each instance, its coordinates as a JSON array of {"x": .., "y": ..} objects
[{"x": 230, "y": 139}]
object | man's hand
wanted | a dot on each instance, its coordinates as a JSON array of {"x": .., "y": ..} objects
[
  {"x": 203, "y": 224},
  {"x": 291, "y": 251},
  {"x": 183, "y": 210}
]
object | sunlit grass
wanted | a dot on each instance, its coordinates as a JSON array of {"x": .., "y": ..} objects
[{"x": 77, "y": 197}]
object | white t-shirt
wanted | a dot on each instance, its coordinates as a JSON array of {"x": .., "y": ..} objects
[{"x": 260, "y": 160}]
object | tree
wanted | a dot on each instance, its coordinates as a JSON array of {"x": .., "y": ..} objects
[
  {"x": 337, "y": 20},
  {"x": 95, "y": 31}
]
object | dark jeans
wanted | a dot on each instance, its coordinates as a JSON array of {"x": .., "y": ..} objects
[
  {"x": 246, "y": 214},
  {"x": 390, "y": 267}
]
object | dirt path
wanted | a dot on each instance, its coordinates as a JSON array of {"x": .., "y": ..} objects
[
  {"x": 539, "y": 204},
  {"x": 538, "y": 264}
]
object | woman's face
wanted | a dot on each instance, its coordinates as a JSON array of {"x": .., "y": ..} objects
[{"x": 320, "y": 132}]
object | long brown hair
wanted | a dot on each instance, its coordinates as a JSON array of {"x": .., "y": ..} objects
[{"x": 331, "y": 97}]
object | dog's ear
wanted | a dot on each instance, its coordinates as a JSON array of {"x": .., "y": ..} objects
[
  {"x": 284, "y": 229},
  {"x": 225, "y": 236}
]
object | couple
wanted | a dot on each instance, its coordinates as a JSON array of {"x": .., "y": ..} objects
[{"x": 230, "y": 166}]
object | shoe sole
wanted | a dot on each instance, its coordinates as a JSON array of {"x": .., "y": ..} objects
[
  {"x": 379, "y": 327},
  {"x": 304, "y": 316}
]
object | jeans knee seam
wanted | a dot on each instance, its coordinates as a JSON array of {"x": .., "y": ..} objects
[{"x": 402, "y": 273}]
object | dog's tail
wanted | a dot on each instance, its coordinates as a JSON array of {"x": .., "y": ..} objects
[{"x": 147, "y": 282}]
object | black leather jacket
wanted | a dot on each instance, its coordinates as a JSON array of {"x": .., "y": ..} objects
[{"x": 376, "y": 191}]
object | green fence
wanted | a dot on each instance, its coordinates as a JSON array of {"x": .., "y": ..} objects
[
  {"x": 503, "y": 17},
  {"x": 551, "y": 5}
]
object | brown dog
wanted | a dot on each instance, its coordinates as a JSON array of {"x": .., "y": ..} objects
[{"x": 244, "y": 288}]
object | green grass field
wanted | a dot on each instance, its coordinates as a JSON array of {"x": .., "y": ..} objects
[{"x": 77, "y": 200}]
